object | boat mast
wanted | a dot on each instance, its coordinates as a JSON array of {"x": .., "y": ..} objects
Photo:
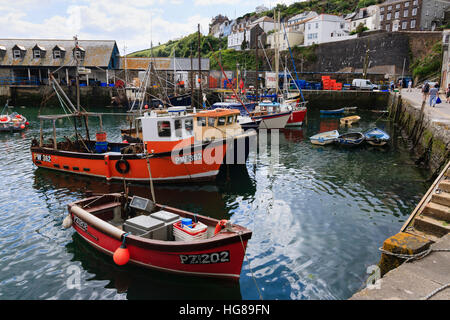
[
  {"x": 77, "y": 73},
  {"x": 277, "y": 51},
  {"x": 200, "y": 94}
]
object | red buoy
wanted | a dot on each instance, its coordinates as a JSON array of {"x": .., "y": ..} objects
[
  {"x": 121, "y": 255},
  {"x": 22, "y": 126},
  {"x": 27, "y": 123},
  {"x": 146, "y": 107}
]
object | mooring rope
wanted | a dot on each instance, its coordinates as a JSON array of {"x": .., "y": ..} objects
[
  {"x": 411, "y": 257},
  {"x": 248, "y": 261},
  {"x": 418, "y": 256}
]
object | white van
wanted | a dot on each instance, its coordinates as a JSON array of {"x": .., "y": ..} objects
[{"x": 363, "y": 84}]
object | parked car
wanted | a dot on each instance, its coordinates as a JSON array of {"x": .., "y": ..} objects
[{"x": 363, "y": 84}]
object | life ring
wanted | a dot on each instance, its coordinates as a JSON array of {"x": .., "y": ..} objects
[
  {"x": 220, "y": 225},
  {"x": 119, "y": 167}
]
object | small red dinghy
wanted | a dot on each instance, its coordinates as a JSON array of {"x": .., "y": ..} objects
[{"x": 136, "y": 230}]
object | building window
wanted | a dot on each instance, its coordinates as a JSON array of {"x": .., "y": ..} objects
[
  {"x": 397, "y": 14},
  {"x": 397, "y": 6},
  {"x": 404, "y": 24},
  {"x": 413, "y": 24},
  {"x": 381, "y": 17},
  {"x": 388, "y": 17},
  {"x": 406, "y": 4},
  {"x": 390, "y": 8},
  {"x": 56, "y": 54},
  {"x": 16, "y": 54},
  {"x": 382, "y": 9},
  {"x": 405, "y": 13},
  {"x": 415, "y": 2},
  {"x": 414, "y": 12},
  {"x": 388, "y": 27},
  {"x": 317, "y": 25},
  {"x": 36, "y": 54}
]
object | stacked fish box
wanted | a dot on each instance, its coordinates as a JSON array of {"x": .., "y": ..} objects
[{"x": 330, "y": 84}]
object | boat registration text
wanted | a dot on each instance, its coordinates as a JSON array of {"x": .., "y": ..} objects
[{"x": 206, "y": 258}]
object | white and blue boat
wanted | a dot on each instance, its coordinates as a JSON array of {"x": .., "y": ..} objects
[
  {"x": 324, "y": 138},
  {"x": 351, "y": 139},
  {"x": 376, "y": 137}
]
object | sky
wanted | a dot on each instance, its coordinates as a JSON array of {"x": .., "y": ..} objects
[{"x": 133, "y": 24}]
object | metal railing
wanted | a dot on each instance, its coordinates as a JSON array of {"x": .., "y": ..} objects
[{"x": 20, "y": 81}]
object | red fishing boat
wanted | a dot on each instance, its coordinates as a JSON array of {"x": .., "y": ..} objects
[{"x": 136, "y": 230}]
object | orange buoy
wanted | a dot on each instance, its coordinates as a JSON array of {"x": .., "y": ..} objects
[
  {"x": 122, "y": 255},
  {"x": 146, "y": 106},
  {"x": 220, "y": 225}
]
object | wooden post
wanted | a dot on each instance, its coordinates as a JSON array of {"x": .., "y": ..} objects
[
  {"x": 192, "y": 80},
  {"x": 54, "y": 134},
  {"x": 41, "y": 134},
  {"x": 67, "y": 76}
]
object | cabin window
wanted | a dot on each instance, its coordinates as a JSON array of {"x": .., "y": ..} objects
[
  {"x": 36, "y": 54},
  {"x": 188, "y": 126},
  {"x": 230, "y": 119},
  {"x": 164, "y": 128},
  {"x": 56, "y": 54},
  {"x": 201, "y": 122},
  {"x": 211, "y": 122},
  {"x": 178, "y": 128},
  {"x": 221, "y": 121}
]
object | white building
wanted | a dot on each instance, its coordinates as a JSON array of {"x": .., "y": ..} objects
[
  {"x": 241, "y": 31},
  {"x": 290, "y": 38},
  {"x": 297, "y": 22},
  {"x": 326, "y": 28},
  {"x": 368, "y": 17}
]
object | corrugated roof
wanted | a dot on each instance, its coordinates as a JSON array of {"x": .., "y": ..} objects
[
  {"x": 181, "y": 64},
  {"x": 97, "y": 52}
]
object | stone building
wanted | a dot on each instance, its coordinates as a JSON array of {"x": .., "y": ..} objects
[
  {"x": 30, "y": 61},
  {"x": 412, "y": 15}
]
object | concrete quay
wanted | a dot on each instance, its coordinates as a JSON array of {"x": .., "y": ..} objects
[{"x": 416, "y": 280}]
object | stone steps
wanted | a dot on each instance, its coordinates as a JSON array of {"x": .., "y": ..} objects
[
  {"x": 436, "y": 209},
  {"x": 430, "y": 225}
]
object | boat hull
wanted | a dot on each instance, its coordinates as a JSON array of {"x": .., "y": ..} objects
[
  {"x": 197, "y": 165},
  {"x": 296, "y": 118},
  {"x": 273, "y": 121},
  {"x": 352, "y": 140},
  {"x": 220, "y": 256}
]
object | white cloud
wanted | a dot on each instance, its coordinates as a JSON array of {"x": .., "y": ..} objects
[{"x": 130, "y": 24}]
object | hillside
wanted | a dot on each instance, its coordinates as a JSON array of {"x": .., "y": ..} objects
[{"x": 184, "y": 46}]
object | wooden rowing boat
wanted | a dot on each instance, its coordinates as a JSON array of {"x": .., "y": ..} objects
[
  {"x": 350, "y": 139},
  {"x": 349, "y": 120},
  {"x": 377, "y": 137},
  {"x": 135, "y": 230},
  {"x": 324, "y": 138}
]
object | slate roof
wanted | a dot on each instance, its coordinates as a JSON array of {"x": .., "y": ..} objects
[
  {"x": 98, "y": 53},
  {"x": 181, "y": 64}
]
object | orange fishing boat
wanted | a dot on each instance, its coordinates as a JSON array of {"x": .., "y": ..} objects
[{"x": 172, "y": 147}]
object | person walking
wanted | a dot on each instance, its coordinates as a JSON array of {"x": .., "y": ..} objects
[
  {"x": 425, "y": 90},
  {"x": 410, "y": 86},
  {"x": 434, "y": 94},
  {"x": 447, "y": 93}
]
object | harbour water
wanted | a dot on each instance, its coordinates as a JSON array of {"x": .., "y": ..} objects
[{"x": 318, "y": 217}]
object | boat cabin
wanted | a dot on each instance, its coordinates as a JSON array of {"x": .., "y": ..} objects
[
  {"x": 216, "y": 124},
  {"x": 164, "y": 129}
]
